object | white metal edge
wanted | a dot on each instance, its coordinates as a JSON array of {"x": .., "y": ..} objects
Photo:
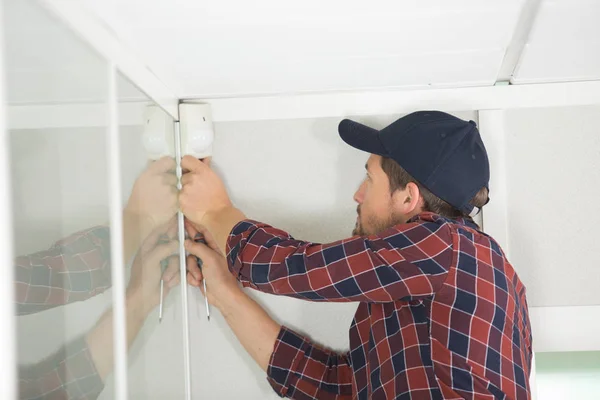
[
  {"x": 334, "y": 104},
  {"x": 116, "y": 240},
  {"x": 402, "y": 101},
  {"x": 8, "y": 363},
  {"x": 522, "y": 29},
  {"x": 183, "y": 272},
  {"x": 103, "y": 40},
  {"x": 72, "y": 115}
]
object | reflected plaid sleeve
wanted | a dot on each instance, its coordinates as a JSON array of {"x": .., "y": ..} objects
[
  {"x": 73, "y": 269},
  {"x": 68, "y": 374},
  {"x": 300, "y": 370},
  {"x": 409, "y": 261}
]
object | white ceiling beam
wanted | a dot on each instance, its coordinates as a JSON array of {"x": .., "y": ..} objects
[
  {"x": 403, "y": 101},
  {"x": 63, "y": 116},
  {"x": 519, "y": 39}
]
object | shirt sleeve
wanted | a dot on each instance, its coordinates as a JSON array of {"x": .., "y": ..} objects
[
  {"x": 407, "y": 262},
  {"x": 68, "y": 374},
  {"x": 73, "y": 269},
  {"x": 301, "y": 370}
]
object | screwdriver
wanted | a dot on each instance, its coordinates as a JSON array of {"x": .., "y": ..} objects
[
  {"x": 199, "y": 262},
  {"x": 163, "y": 266}
]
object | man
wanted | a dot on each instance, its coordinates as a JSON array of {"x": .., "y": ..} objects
[
  {"x": 442, "y": 313},
  {"x": 78, "y": 267}
]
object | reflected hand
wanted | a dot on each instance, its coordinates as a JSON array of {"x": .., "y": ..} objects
[
  {"x": 146, "y": 272},
  {"x": 219, "y": 281},
  {"x": 202, "y": 190},
  {"x": 154, "y": 195}
]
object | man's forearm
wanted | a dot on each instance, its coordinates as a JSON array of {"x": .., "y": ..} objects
[
  {"x": 135, "y": 230},
  {"x": 220, "y": 224},
  {"x": 255, "y": 330},
  {"x": 100, "y": 338}
]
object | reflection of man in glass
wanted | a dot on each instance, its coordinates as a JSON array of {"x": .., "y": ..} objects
[{"x": 78, "y": 267}]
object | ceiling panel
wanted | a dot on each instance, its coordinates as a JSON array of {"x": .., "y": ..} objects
[
  {"x": 234, "y": 47},
  {"x": 564, "y": 43}
]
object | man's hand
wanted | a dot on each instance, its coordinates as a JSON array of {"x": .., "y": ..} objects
[
  {"x": 220, "y": 283},
  {"x": 202, "y": 190},
  {"x": 143, "y": 294},
  {"x": 153, "y": 199},
  {"x": 256, "y": 331},
  {"x": 146, "y": 272}
]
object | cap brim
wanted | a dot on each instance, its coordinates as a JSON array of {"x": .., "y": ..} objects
[{"x": 361, "y": 137}]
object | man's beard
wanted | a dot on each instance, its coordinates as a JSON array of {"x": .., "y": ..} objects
[{"x": 376, "y": 225}]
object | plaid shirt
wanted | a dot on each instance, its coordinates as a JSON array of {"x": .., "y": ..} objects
[
  {"x": 442, "y": 313},
  {"x": 73, "y": 269}
]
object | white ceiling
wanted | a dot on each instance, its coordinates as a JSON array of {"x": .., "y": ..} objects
[
  {"x": 233, "y": 47},
  {"x": 215, "y": 48},
  {"x": 564, "y": 43}
]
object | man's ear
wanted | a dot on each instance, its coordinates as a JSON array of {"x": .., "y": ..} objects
[{"x": 408, "y": 200}]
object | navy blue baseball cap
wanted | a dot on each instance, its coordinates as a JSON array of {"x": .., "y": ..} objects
[{"x": 443, "y": 153}]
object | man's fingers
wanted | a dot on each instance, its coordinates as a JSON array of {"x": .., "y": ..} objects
[
  {"x": 172, "y": 270},
  {"x": 162, "y": 251},
  {"x": 157, "y": 234},
  {"x": 192, "y": 164},
  {"x": 174, "y": 282},
  {"x": 193, "y": 269},
  {"x": 164, "y": 164},
  {"x": 192, "y": 281},
  {"x": 190, "y": 228},
  {"x": 207, "y": 161},
  {"x": 172, "y": 228},
  {"x": 200, "y": 250},
  {"x": 169, "y": 179},
  {"x": 186, "y": 179},
  {"x": 197, "y": 232}
]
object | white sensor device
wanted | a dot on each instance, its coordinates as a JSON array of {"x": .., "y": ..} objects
[
  {"x": 195, "y": 127},
  {"x": 158, "y": 133}
]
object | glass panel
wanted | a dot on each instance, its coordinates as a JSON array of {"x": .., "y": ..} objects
[
  {"x": 156, "y": 363},
  {"x": 58, "y": 107},
  {"x": 60, "y": 206}
]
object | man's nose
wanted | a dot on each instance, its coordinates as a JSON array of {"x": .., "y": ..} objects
[{"x": 359, "y": 194}]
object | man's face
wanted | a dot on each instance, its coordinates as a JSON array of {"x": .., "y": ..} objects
[{"x": 377, "y": 208}]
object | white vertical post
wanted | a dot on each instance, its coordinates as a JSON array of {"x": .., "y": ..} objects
[
  {"x": 183, "y": 272},
  {"x": 492, "y": 125},
  {"x": 116, "y": 239},
  {"x": 495, "y": 215},
  {"x": 7, "y": 298}
]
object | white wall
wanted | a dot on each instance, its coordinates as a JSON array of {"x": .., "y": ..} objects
[
  {"x": 553, "y": 158},
  {"x": 553, "y": 176}
]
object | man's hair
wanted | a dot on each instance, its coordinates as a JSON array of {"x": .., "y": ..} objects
[{"x": 399, "y": 178}]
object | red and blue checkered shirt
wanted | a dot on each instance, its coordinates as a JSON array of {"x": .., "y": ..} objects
[
  {"x": 73, "y": 269},
  {"x": 442, "y": 313}
]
